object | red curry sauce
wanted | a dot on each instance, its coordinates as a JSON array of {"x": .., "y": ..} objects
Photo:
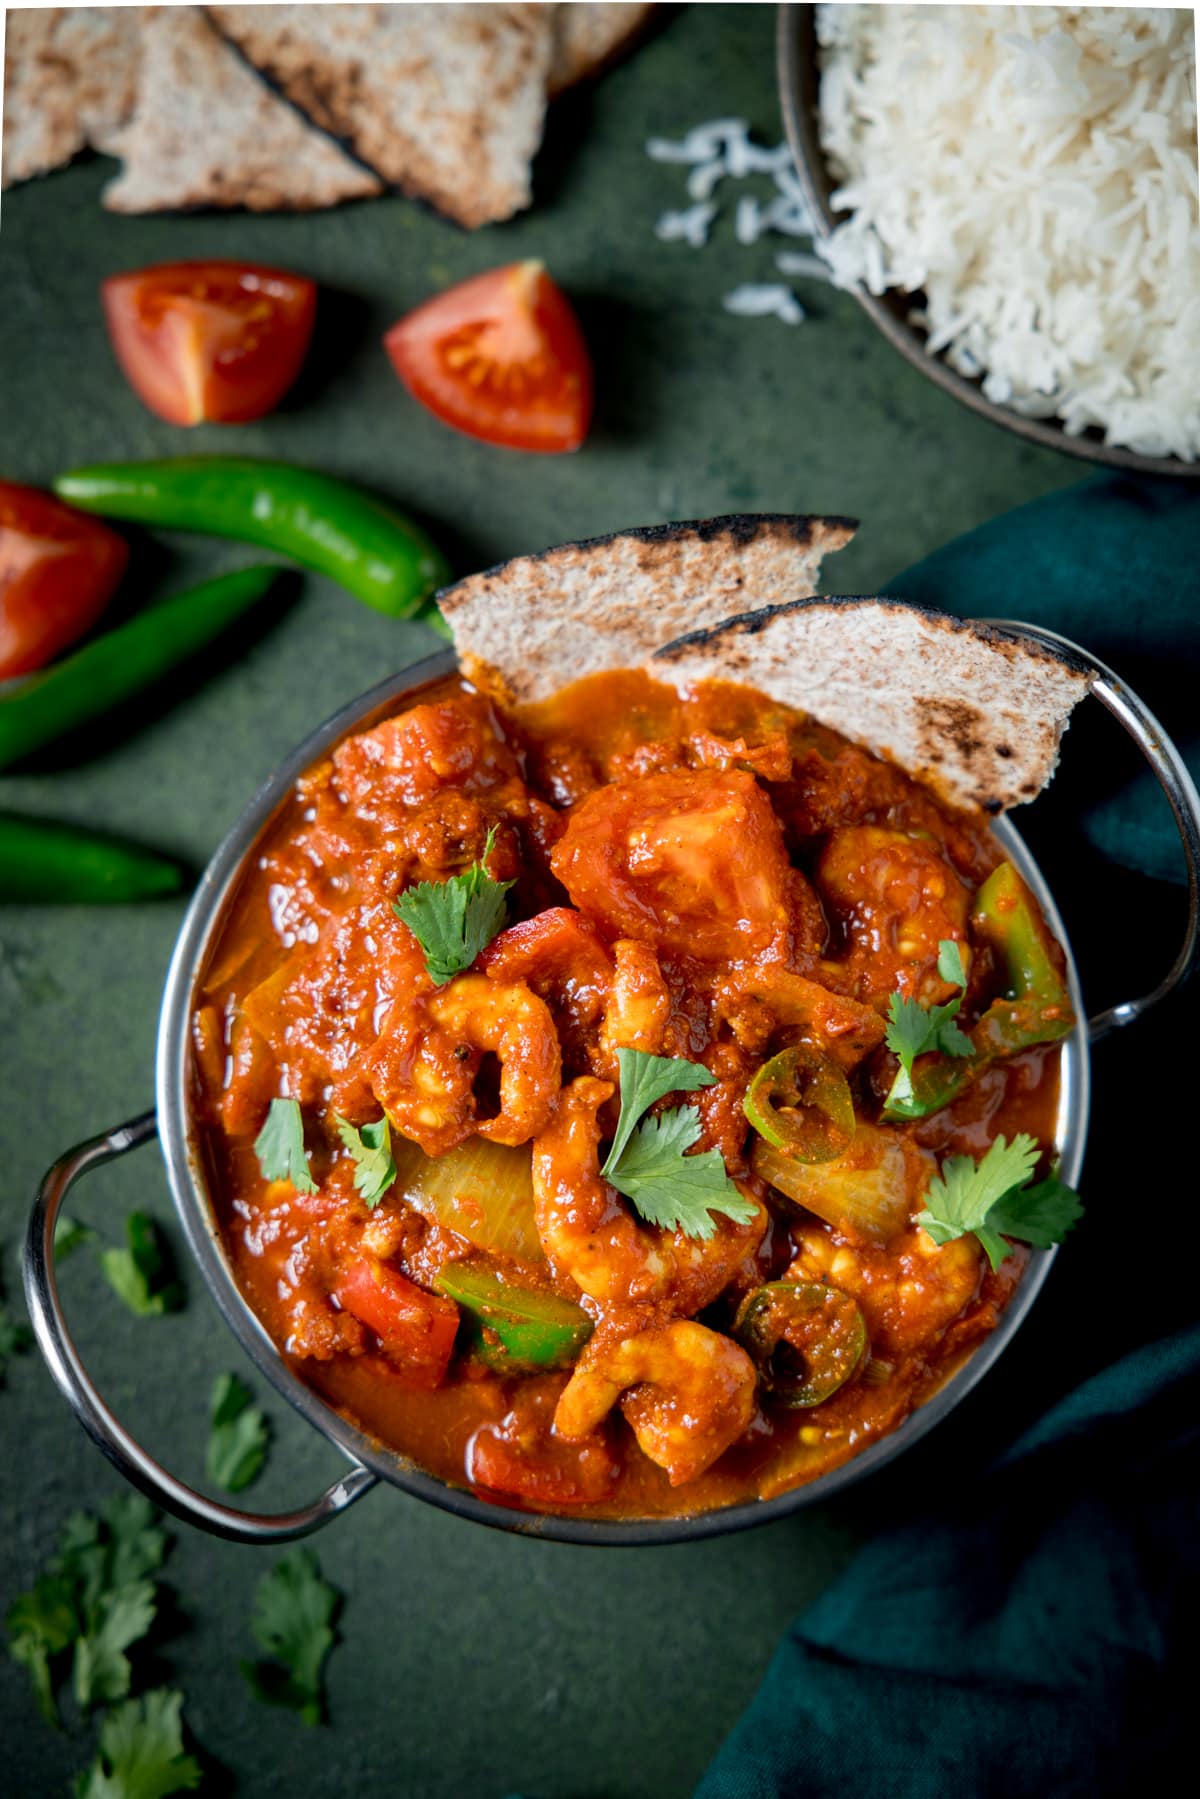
[{"x": 711, "y": 874}]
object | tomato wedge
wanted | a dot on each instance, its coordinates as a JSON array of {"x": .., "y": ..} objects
[
  {"x": 500, "y": 357},
  {"x": 58, "y": 571},
  {"x": 215, "y": 342}
]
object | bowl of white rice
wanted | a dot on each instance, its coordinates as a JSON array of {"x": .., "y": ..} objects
[{"x": 1011, "y": 193}]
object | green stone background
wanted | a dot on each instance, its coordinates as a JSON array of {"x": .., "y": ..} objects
[{"x": 471, "y": 1662}]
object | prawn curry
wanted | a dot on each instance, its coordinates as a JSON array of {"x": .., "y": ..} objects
[{"x": 632, "y": 1100}]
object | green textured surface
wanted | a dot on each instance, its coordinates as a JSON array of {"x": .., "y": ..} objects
[{"x": 471, "y": 1662}]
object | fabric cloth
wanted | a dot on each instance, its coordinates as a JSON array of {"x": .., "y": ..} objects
[
  {"x": 1028, "y": 1630},
  {"x": 1114, "y": 564},
  {"x": 1034, "y": 1636}
]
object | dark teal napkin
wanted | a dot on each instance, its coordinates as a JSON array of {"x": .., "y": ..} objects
[
  {"x": 1033, "y": 1635},
  {"x": 1113, "y": 563},
  {"x": 1029, "y": 1629}
]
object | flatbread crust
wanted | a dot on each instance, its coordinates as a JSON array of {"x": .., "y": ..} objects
[
  {"x": 444, "y": 102},
  {"x": 205, "y": 131},
  {"x": 976, "y": 713},
  {"x": 587, "y": 37},
  {"x": 540, "y": 622},
  {"x": 69, "y": 77}
]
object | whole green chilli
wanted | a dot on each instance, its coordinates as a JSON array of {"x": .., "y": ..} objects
[
  {"x": 322, "y": 523},
  {"x": 122, "y": 663},
  {"x": 42, "y": 861}
]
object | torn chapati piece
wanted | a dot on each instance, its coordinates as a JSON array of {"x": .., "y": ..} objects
[
  {"x": 69, "y": 80},
  {"x": 588, "y": 38},
  {"x": 975, "y": 713},
  {"x": 445, "y": 102},
  {"x": 205, "y": 131},
  {"x": 536, "y": 623}
]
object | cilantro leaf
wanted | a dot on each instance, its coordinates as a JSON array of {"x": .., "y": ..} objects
[
  {"x": 141, "y": 1752},
  {"x": 41, "y": 1624},
  {"x": 1041, "y": 1215},
  {"x": 648, "y": 1163},
  {"x": 915, "y": 1030},
  {"x": 454, "y": 920},
  {"x": 950, "y": 962},
  {"x": 238, "y": 1435},
  {"x": 143, "y": 1275},
  {"x": 70, "y": 1235},
  {"x": 120, "y": 1618},
  {"x": 97, "y": 1597},
  {"x": 293, "y": 1622},
  {"x": 372, "y": 1150},
  {"x": 279, "y": 1146},
  {"x": 644, "y": 1079},
  {"x": 992, "y": 1199}
]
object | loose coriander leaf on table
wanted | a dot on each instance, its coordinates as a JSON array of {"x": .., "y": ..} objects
[
  {"x": 371, "y": 1149},
  {"x": 292, "y": 1622},
  {"x": 279, "y": 1146},
  {"x": 120, "y": 1618},
  {"x": 238, "y": 1435},
  {"x": 645, "y": 1079},
  {"x": 455, "y": 920},
  {"x": 141, "y": 1752},
  {"x": 143, "y": 1274},
  {"x": 41, "y": 1624}
]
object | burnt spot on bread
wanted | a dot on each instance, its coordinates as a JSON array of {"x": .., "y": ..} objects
[{"x": 949, "y": 727}]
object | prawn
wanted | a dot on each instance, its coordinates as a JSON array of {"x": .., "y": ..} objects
[
  {"x": 687, "y": 1392},
  {"x": 909, "y": 1292},
  {"x": 424, "y": 1066},
  {"x": 899, "y": 899},
  {"x": 588, "y": 1233}
]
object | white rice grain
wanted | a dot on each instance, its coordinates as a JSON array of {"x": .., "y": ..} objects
[{"x": 1032, "y": 170}]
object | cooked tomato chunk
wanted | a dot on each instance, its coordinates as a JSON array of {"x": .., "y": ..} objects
[{"x": 687, "y": 861}]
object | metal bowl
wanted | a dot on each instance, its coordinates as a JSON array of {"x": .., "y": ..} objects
[
  {"x": 370, "y": 1460},
  {"x": 799, "y": 87}
]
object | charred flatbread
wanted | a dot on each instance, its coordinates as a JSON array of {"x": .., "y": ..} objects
[
  {"x": 205, "y": 131},
  {"x": 976, "y": 713},
  {"x": 544, "y": 621},
  {"x": 444, "y": 102},
  {"x": 69, "y": 80}
]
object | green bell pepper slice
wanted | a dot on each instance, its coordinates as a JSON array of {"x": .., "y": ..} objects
[
  {"x": 514, "y": 1329},
  {"x": 1036, "y": 1008}
]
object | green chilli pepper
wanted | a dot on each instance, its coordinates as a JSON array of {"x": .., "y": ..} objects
[
  {"x": 800, "y": 1102},
  {"x": 323, "y": 524},
  {"x": 44, "y": 861},
  {"x": 1036, "y": 1008},
  {"x": 121, "y": 663},
  {"x": 807, "y": 1339},
  {"x": 514, "y": 1328}
]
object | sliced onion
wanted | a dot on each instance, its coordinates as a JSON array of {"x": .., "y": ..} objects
[
  {"x": 482, "y": 1190},
  {"x": 864, "y": 1191}
]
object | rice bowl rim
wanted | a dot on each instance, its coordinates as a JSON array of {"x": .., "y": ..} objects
[{"x": 799, "y": 93}]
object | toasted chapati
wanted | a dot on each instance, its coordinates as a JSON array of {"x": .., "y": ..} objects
[
  {"x": 69, "y": 78},
  {"x": 543, "y": 621},
  {"x": 205, "y": 131},
  {"x": 444, "y": 102},
  {"x": 977, "y": 714},
  {"x": 588, "y": 37}
]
